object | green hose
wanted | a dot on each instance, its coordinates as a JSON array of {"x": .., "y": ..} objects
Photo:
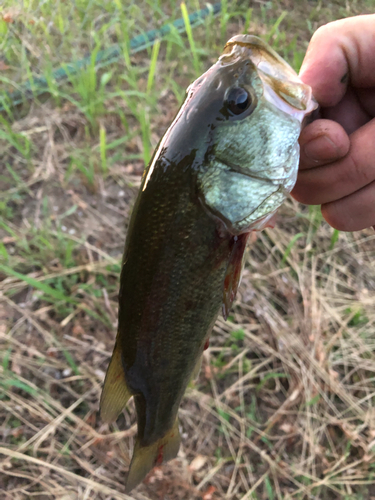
[{"x": 39, "y": 85}]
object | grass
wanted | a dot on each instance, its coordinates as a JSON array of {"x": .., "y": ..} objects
[{"x": 283, "y": 407}]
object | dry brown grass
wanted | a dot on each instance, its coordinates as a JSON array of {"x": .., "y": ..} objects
[{"x": 283, "y": 407}]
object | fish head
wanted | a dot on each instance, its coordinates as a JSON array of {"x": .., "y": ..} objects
[{"x": 254, "y": 105}]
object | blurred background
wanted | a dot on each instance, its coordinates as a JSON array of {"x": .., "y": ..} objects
[{"x": 283, "y": 406}]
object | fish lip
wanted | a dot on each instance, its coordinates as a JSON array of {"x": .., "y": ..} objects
[{"x": 240, "y": 170}]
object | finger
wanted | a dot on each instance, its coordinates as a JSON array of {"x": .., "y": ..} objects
[
  {"x": 331, "y": 182},
  {"x": 321, "y": 142},
  {"x": 349, "y": 112},
  {"x": 367, "y": 99},
  {"x": 354, "y": 212},
  {"x": 340, "y": 52}
]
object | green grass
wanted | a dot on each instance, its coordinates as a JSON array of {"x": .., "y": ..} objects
[{"x": 286, "y": 388}]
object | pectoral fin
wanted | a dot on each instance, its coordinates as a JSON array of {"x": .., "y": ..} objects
[
  {"x": 234, "y": 270},
  {"x": 147, "y": 457},
  {"x": 115, "y": 392}
]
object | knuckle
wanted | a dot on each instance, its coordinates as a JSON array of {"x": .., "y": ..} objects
[
  {"x": 320, "y": 32},
  {"x": 328, "y": 29},
  {"x": 336, "y": 217},
  {"x": 358, "y": 172}
]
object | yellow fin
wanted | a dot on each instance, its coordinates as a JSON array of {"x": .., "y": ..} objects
[
  {"x": 147, "y": 457},
  {"x": 115, "y": 392},
  {"x": 197, "y": 368}
]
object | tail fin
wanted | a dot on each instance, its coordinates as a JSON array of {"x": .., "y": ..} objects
[
  {"x": 115, "y": 392},
  {"x": 146, "y": 457}
]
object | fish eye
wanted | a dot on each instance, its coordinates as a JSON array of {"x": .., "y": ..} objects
[{"x": 238, "y": 100}]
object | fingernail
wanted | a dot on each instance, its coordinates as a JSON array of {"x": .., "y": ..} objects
[{"x": 321, "y": 148}]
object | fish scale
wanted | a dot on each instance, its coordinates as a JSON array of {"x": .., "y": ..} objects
[{"x": 221, "y": 170}]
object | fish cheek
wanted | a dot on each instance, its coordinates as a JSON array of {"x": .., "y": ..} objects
[
  {"x": 234, "y": 197},
  {"x": 259, "y": 144}
]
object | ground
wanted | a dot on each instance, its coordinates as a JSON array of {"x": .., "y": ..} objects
[{"x": 283, "y": 406}]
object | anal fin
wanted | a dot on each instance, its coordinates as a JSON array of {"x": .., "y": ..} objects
[
  {"x": 145, "y": 458},
  {"x": 115, "y": 392},
  {"x": 234, "y": 270}
]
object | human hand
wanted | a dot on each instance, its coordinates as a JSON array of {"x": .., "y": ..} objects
[{"x": 337, "y": 166}]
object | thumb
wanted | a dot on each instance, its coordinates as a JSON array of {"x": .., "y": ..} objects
[{"x": 339, "y": 53}]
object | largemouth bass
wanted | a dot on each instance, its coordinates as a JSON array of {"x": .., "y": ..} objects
[{"x": 221, "y": 170}]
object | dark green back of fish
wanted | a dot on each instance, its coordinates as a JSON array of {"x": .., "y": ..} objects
[{"x": 171, "y": 291}]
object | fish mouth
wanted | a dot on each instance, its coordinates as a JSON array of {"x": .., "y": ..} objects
[
  {"x": 282, "y": 86},
  {"x": 281, "y": 181}
]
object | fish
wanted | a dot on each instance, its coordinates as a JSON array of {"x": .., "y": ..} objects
[{"x": 221, "y": 170}]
